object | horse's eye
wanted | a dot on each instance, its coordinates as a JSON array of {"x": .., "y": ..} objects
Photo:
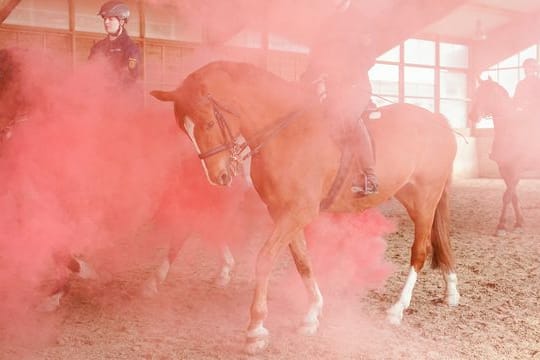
[{"x": 209, "y": 125}]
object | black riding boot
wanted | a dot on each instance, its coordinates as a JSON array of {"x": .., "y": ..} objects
[{"x": 366, "y": 183}]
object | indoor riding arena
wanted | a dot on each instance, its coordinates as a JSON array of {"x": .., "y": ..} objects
[{"x": 254, "y": 179}]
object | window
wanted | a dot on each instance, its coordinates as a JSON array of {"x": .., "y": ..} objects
[
  {"x": 40, "y": 13},
  {"x": 454, "y": 55},
  {"x": 385, "y": 79},
  {"x": 419, "y": 81},
  {"x": 166, "y": 22},
  {"x": 391, "y": 55},
  {"x": 453, "y": 84},
  {"x": 419, "y": 52},
  {"x": 275, "y": 42},
  {"x": 246, "y": 38},
  {"x": 455, "y": 112}
]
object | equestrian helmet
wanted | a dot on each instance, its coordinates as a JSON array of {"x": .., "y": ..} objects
[{"x": 114, "y": 9}]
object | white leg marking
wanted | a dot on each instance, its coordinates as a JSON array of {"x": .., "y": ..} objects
[
  {"x": 395, "y": 313},
  {"x": 51, "y": 303},
  {"x": 225, "y": 274},
  {"x": 311, "y": 320},
  {"x": 150, "y": 287},
  {"x": 452, "y": 293},
  {"x": 189, "y": 125},
  {"x": 86, "y": 271},
  {"x": 256, "y": 340}
]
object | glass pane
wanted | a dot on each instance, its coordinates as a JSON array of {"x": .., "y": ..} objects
[
  {"x": 420, "y": 52},
  {"x": 454, "y": 55},
  {"x": 485, "y": 122},
  {"x": 391, "y": 55},
  {"x": 40, "y": 13},
  {"x": 530, "y": 52},
  {"x": 246, "y": 38},
  {"x": 275, "y": 42},
  {"x": 490, "y": 74},
  {"x": 385, "y": 79},
  {"x": 381, "y": 100},
  {"x": 455, "y": 112},
  {"x": 512, "y": 61},
  {"x": 425, "y": 103},
  {"x": 419, "y": 81},
  {"x": 166, "y": 22},
  {"x": 509, "y": 79},
  {"x": 86, "y": 18},
  {"x": 453, "y": 84}
]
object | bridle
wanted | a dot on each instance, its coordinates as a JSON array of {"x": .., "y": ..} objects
[{"x": 231, "y": 142}]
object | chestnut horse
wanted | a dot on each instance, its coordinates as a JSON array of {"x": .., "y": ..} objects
[
  {"x": 515, "y": 148},
  {"x": 295, "y": 161}
]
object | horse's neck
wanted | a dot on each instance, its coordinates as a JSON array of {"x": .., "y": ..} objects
[{"x": 504, "y": 111}]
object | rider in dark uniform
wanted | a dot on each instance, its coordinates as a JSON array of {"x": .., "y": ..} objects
[
  {"x": 527, "y": 94},
  {"x": 338, "y": 66},
  {"x": 122, "y": 53}
]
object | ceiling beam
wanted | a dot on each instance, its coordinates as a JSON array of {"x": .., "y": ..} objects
[
  {"x": 6, "y": 7},
  {"x": 406, "y": 18},
  {"x": 505, "y": 41}
]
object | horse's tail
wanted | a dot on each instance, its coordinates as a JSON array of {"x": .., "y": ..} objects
[{"x": 442, "y": 257}]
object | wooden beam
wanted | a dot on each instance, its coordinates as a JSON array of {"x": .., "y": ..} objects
[
  {"x": 6, "y": 7},
  {"x": 504, "y": 41}
]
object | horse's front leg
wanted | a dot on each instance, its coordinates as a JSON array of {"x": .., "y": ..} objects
[
  {"x": 501, "y": 226},
  {"x": 299, "y": 252},
  {"x": 286, "y": 229},
  {"x": 224, "y": 276},
  {"x": 151, "y": 286}
]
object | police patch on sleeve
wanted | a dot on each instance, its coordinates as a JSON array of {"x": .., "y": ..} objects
[{"x": 132, "y": 63}]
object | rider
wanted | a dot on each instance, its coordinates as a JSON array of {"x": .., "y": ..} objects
[
  {"x": 527, "y": 94},
  {"x": 122, "y": 53},
  {"x": 338, "y": 66}
]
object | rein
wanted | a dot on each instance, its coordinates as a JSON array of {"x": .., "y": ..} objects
[{"x": 256, "y": 143}]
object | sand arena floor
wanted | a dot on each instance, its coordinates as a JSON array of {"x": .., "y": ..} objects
[{"x": 498, "y": 318}]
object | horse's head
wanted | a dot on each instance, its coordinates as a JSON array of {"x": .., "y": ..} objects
[
  {"x": 205, "y": 110},
  {"x": 489, "y": 98}
]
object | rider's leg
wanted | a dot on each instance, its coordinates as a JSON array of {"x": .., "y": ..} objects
[{"x": 367, "y": 184}]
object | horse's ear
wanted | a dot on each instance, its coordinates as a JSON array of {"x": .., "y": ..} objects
[{"x": 164, "y": 95}]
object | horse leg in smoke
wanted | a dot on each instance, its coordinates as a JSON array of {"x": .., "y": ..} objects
[
  {"x": 75, "y": 266},
  {"x": 151, "y": 286},
  {"x": 299, "y": 252},
  {"x": 287, "y": 227},
  {"x": 511, "y": 182},
  {"x": 430, "y": 220}
]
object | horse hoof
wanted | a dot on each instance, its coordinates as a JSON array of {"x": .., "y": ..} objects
[
  {"x": 500, "y": 232},
  {"x": 308, "y": 328},
  {"x": 453, "y": 300},
  {"x": 50, "y": 304},
  {"x": 256, "y": 345},
  {"x": 395, "y": 314},
  {"x": 149, "y": 289}
]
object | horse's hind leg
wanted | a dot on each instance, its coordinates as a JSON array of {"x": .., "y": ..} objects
[
  {"x": 517, "y": 210},
  {"x": 422, "y": 208},
  {"x": 299, "y": 252},
  {"x": 511, "y": 182}
]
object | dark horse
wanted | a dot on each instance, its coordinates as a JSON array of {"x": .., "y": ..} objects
[
  {"x": 515, "y": 148},
  {"x": 16, "y": 103},
  {"x": 295, "y": 162}
]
